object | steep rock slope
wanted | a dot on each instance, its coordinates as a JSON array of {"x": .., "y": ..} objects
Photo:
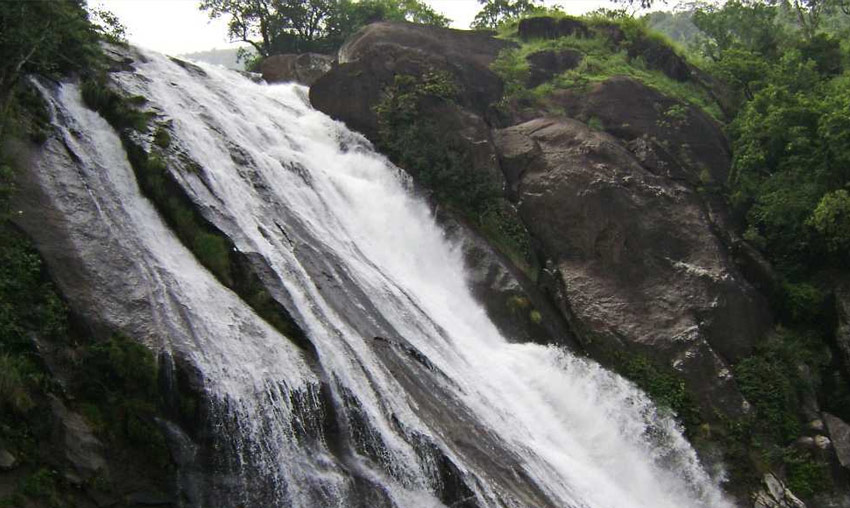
[{"x": 630, "y": 250}]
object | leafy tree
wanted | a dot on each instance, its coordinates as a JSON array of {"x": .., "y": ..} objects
[
  {"x": 831, "y": 219},
  {"x": 678, "y": 26},
  {"x": 496, "y": 12},
  {"x": 742, "y": 25},
  {"x": 47, "y": 38},
  {"x": 297, "y": 26}
]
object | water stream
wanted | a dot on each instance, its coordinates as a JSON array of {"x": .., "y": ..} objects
[{"x": 413, "y": 399}]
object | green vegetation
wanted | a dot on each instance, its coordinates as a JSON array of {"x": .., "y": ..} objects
[
  {"x": 494, "y": 13},
  {"x": 320, "y": 26},
  {"x": 662, "y": 384},
  {"x": 113, "y": 380},
  {"x": 776, "y": 74},
  {"x": 425, "y": 147},
  {"x": 603, "y": 57}
]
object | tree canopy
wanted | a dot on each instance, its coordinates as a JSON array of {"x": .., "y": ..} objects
[
  {"x": 495, "y": 12},
  {"x": 298, "y": 26}
]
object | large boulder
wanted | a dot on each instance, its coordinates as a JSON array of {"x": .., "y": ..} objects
[
  {"x": 303, "y": 68},
  {"x": 80, "y": 451},
  {"x": 774, "y": 494},
  {"x": 671, "y": 138},
  {"x": 839, "y": 431},
  {"x": 546, "y": 64},
  {"x": 636, "y": 263},
  {"x": 547, "y": 27},
  {"x": 372, "y": 58}
]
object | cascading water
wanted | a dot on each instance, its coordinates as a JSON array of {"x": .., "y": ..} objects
[{"x": 411, "y": 397}]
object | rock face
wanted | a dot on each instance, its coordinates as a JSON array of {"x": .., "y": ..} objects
[
  {"x": 303, "y": 68},
  {"x": 545, "y": 27},
  {"x": 7, "y": 460},
  {"x": 370, "y": 61},
  {"x": 83, "y": 452},
  {"x": 669, "y": 138},
  {"x": 775, "y": 495},
  {"x": 546, "y": 64},
  {"x": 512, "y": 301},
  {"x": 633, "y": 254},
  {"x": 839, "y": 431},
  {"x": 637, "y": 259}
]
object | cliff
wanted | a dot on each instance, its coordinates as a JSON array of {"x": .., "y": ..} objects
[{"x": 592, "y": 156}]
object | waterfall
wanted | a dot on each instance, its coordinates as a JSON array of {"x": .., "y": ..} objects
[{"x": 410, "y": 397}]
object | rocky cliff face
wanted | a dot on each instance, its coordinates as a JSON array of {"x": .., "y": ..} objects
[
  {"x": 633, "y": 260},
  {"x": 619, "y": 187}
]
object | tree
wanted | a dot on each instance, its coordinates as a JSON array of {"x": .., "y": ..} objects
[
  {"x": 742, "y": 25},
  {"x": 831, "y": 219},
  {"x": 297, "y": 26},
  {"x": 496, "y": 12},
  {"x": 49, "y": 38}
]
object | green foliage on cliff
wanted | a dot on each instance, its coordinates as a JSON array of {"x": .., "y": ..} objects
[
  {"x": 319, "y": 26},
  {"x": 429, "y": 149},
  {"x": 49, "y": 39},
  {"x": 113, "y": 381},
  {"x": 662, "y": 384},
  {"x": 605, "y": 54},
  {"x": 494, "y": 13}
]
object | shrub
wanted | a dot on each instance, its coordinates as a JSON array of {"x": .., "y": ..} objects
[
  {"x": 831, "y": 219},
  {"x": 662, "y": 384},
  {"x": 411, "y": 136}
]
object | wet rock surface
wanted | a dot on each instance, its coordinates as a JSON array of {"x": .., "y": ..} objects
[
  {"x": 639, "y": 266},
  {"x": 304, "y": 68},
  {"x": 775, "y": 495},
  {"x": 839, "y": 431}
]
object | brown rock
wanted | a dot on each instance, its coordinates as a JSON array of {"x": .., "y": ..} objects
[
  {"x": 546, "y": 27},
  {"x": 661, "y": 57},
  {"x": 839, "y": 431},
  {"x": 81, "y": 450},
  {"x": 690, "y": 144},
  {"x": 775, "y": 494},
  {"x": 544, "y": 65},
  {"x": 7, "y": 460},
  {"x": 372, "y": 58},
  {"x": 637, "y": 263},
  {"x": 304, "y": 69}
]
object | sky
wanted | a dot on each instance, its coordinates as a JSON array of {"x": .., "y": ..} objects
[{"x": 177, "y": 26}]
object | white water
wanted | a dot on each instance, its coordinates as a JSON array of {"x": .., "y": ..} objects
[{"x": 570, "y": 431}]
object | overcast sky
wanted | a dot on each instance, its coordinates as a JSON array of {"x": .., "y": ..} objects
[{"x": 177, "y": 26}]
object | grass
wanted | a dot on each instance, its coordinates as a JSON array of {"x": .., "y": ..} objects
[{"x": 602, "y": 60}]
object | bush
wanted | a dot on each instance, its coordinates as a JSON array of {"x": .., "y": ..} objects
[
  {"x": 602, "y": 60},
  {"x": 831, "y": 219},
  {"x": 774, "y": 379},
  {"x": 15, "y": 374},
  {"x": 806, "y": 476},
  {"x": 662, "y": 384},
  {"x": 419, "y": 141}
]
